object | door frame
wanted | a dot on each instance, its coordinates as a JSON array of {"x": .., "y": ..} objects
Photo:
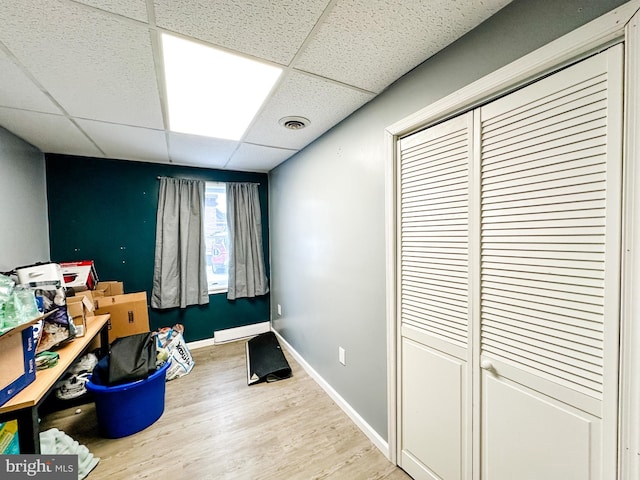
[{"x": 619, "y": 25}]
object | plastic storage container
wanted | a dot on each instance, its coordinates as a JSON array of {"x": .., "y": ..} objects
[{"x": 128, "y": 408}]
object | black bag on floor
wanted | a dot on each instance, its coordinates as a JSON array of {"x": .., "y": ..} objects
[{"x": 130, "y": 359}]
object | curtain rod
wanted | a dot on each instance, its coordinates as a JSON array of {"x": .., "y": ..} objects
[{"x": 181, "y": 178}]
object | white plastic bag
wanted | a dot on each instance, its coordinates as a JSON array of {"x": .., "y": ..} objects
[{"x": 172, "y": 340}]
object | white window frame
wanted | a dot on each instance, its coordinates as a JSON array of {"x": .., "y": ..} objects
[{"x": 210, "y": 232}]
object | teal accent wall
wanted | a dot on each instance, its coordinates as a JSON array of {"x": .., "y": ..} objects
[{"x": 105, "y": 210}]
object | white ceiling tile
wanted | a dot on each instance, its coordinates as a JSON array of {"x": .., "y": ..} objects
[
  {"x": 273, "y": 30},
  {"x": 323, "y": 102},
  {"x": 49, "y": 133},
  {"x": 258, "y": 158},
  {"x": 200, "y": 151},
  {"x": 18, "y": 91},
  {"x": 371, "y": 43},
  {"x": 95, "y": 64},
  {"x": 127, "y": 143},
  {"x": 136, "y": 9},
  {"x": 90, "y": 67}
]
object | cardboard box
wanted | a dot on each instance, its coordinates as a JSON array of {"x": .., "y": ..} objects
[
  {"x": 110, "y": 289},
  {"x": 97, "y": 294},
  {"x": 39, "y": 274},
  {"x": 90, "y": 296},
  {"x": 129, "y": 314},
  {"x": 17, "y": 361},
  {"x": 79, "y": 308},
  {"x": 79, "y": 275}
]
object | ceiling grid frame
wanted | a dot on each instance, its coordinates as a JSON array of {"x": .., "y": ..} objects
[{"x": 114, "y": 46}]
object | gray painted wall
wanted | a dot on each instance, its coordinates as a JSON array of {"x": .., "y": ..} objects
[
  {"x": 327, "y": 206},
  {"x": 24, "y": 225}
]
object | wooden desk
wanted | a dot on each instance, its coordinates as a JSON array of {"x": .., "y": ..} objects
[{"x": 24, "y": 406}]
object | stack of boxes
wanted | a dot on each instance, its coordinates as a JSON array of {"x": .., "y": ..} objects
[
  {"x": 129, "y": 312},
  {"x": 86, "y": 297}
]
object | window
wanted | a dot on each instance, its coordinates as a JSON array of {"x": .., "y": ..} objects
[{"x": 216, "y": 236}]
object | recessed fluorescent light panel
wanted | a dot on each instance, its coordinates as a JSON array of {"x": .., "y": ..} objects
[{"x": 210, "y": 92}]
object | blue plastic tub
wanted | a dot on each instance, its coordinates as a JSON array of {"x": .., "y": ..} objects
[{"x": 128, "y": 408}]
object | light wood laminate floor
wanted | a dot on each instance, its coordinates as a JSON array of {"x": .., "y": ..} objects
[{"x": 216, "y": 427}]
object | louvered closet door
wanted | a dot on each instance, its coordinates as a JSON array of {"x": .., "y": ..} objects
[
  {"x": 550, "y": 235},
  {"x": 434, "y": 301}
]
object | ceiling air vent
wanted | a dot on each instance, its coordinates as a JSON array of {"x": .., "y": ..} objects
[{"x": 294, "y": 123}]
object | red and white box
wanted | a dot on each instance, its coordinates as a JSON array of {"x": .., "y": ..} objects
[{"x": 79, "y": 275}]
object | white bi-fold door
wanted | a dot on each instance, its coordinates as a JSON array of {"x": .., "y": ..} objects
[
  {"x": 435, "y": 307},
  {"x": 509, "y": 248}
]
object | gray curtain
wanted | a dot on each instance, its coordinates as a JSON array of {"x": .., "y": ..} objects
[
  {"x": 179, "y": 274},
  {"x": 247, "y": 276}
]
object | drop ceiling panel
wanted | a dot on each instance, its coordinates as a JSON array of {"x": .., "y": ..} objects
[
  {"x": 200, "y": 151},
  {"x": 84, "y": 77},
  {"x": 273, "y": 30},
  {"x": 135, "y": 9},
  {"x": 323, "y": 102},
  {"x": 258, "y": 158},
  {"x": 127, "y": 143},
  {"x": 18, "y": 91},
  {"x": 95, "y": 64},
  {"x": 49, "y": 133},
  {"x": 371, "y": 43}
]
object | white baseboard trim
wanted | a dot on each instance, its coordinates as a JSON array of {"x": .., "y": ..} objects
[
  {"x": 371, "y": 434},
  {"x": 237, "y": 333},
  {"x": 207, "y": 342}
]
